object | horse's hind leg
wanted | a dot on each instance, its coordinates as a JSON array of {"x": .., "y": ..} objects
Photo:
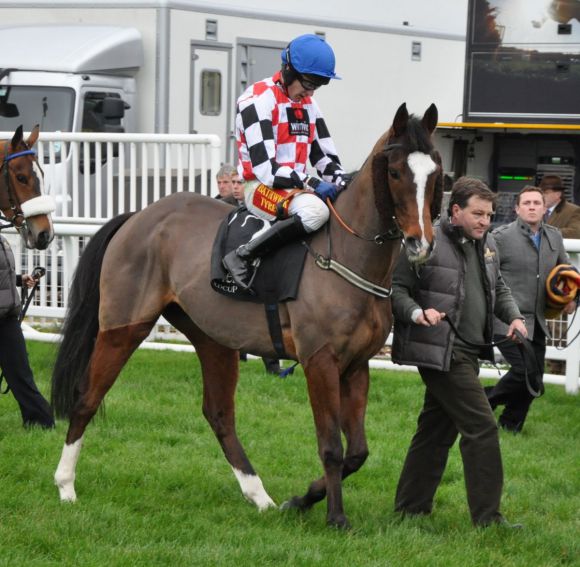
[
  {"x": 353, "y": 402},
  {"x": 112, "y": 350},
  {"x": 220, "y": 376},
  {"x": 219, "y": 367}
]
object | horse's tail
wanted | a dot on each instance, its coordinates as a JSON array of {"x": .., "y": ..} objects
[{"x": 81, "y": 323}]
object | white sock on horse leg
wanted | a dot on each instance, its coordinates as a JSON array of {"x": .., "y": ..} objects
[
  {"x": 64, "y": 477},
  {"x": 253, "y": 489}
]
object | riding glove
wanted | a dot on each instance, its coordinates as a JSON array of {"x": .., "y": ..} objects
[{"x": 323, "y": 189}]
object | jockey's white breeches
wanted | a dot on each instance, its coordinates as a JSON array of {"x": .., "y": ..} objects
[{"x": 312, "y": 210}]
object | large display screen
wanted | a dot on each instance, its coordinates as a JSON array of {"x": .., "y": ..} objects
[{"x": 523, "y": 61}]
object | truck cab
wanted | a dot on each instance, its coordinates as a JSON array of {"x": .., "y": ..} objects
[{"x": 78, "y": 79}]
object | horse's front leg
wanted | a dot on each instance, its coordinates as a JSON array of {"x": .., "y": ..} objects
[
  {"x": 354, "y": 389},
  {"x": 323, "y": 381}
]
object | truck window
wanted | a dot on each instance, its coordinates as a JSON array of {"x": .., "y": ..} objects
[
  {"x": 103, "y": 112},
  {"x": 51, "y": 107},
  {"x": 211, "y": 92}
]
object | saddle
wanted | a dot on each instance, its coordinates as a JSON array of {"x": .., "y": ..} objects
[{"x": 277, "y": 275}]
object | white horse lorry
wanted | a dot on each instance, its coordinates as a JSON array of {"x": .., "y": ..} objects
[
  {"x": 165, "y": 66},
  {"x": 178, "y": 66}
]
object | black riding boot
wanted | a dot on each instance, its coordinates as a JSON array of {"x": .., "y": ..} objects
[{"x": 237, "y": 262}]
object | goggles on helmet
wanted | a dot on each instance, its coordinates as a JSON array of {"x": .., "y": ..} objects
[{"x": 312, "y": 82}]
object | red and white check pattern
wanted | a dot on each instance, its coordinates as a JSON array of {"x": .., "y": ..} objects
[{"x": 268, "y": 151}]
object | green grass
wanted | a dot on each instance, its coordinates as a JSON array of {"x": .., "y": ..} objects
[{"x": 154, "y": 488}]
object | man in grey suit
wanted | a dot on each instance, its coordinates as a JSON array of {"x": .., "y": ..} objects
[{"x": 528, "y": 250}]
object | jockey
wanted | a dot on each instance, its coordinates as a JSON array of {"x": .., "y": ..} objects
[{"x": 279, "y": 127}]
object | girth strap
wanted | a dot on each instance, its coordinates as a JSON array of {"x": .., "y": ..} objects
[{"x": 275, "y": 328}]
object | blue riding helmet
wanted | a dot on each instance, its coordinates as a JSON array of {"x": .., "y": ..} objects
[{"x": 310, "y": 55}]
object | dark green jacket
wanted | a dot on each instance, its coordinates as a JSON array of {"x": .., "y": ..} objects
[{"x": 439, "y": 284}]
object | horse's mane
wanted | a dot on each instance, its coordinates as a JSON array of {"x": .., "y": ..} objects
[{"x": 417, "y": 138}]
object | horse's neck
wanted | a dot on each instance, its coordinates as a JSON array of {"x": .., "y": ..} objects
[{"x": 356, "y": 206}]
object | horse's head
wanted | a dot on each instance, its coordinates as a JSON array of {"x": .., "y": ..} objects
[
  {"x": 407, "y": 180},
  {"x": 21, "y": 183}
]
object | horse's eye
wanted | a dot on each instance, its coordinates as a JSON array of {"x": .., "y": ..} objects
[
  {"x": 394, "y": 174},
  {"x": 21, "y": 178}
]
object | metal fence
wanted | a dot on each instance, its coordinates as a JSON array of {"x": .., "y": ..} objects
[
  {"x": 134, "y": 171},
  {"x": 49, "y": 306}
]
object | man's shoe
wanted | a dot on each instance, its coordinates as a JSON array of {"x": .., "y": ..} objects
[
  {"x": 505, "y": 525},
  {"x": 501, "y": 523},
  {"x": 514, "y": 428}
]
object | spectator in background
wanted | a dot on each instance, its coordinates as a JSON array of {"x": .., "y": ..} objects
[
  {"x": 238, "y": 188},
  {"x": 560, "y": 213},
  {"x": 565, "y": 216},
  {"x": 528, "y": 250},
  {"x": 225, "y": 185}
]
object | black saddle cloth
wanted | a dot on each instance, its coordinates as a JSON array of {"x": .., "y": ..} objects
[{"x": 278, "y": 275}]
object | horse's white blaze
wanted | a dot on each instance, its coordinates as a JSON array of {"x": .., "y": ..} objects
[
  {"x": 38, "y": 173},
  {"x": 253, "y": 489},
  {"x": 422, "y": 166},
  {"x": 64, "y": 477}
]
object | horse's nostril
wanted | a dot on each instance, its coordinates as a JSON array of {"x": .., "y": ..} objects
[
  {"x": 43, "y": 240},
  {"x": 413, "y": 244}
]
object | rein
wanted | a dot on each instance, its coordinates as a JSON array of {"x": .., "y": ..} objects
[
  {"x": 393, "y": 233},
  {"x": 327, "y": 263},
  {"x": 526, "y": 351}
]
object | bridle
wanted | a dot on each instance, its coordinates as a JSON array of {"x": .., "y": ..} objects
[
  {"x": 43, "y": 204},
  {"x": 393, "y": 231}
]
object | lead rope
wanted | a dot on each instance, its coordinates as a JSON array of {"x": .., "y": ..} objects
[{"x": 524, "y": 347}]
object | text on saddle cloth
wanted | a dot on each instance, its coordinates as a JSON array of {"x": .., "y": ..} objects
[{"x": 278, "y": 274}]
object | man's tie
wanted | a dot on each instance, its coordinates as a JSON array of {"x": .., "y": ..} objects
[{"x": 546, "y": 216}]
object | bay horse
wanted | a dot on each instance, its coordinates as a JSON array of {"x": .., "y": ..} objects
[
  {"x": 157, "y": 262},
  {"x": 22, "y": 202}
]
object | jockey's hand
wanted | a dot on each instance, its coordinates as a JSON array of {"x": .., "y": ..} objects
[
  {"x": 343, "y": 181},
  {"x": 326, "y": 190}
]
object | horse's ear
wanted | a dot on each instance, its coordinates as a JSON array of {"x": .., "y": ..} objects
[
  {"x": 400, "y": 120},
  {"x": 430, "y": 119},
  {"x": 33, "y": 136},
  {"x": 17, "y": 138},
  {"x": 438, "y": 192}
]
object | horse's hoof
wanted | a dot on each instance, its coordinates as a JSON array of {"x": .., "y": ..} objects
[
  {"x": 266, "y": 504},
  {"x": 66, "y": 491},
  {"x": 295, "y": 503},
  {"x": 67, "y": 494},
  {"x": 340, "y": 523}
]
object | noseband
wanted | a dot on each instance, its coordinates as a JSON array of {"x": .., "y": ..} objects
[{"x": 32, "y": 207}]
